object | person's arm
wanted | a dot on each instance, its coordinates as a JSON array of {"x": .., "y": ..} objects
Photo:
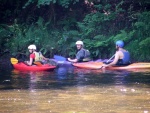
[
  {"x": 44, "y": 58},
  {"x": 79, "y": 56},
  {"x": 30, "y": 62},
  {"x": 114, "y": 61}
]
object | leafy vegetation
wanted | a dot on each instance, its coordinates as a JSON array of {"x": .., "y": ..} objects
[{"x": 55, "y": 25}]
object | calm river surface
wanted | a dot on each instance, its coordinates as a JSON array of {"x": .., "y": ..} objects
[{"x": 72, "y": 90}]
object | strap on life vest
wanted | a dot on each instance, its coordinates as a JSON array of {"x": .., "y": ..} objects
[{"x": 86, "y": 56}]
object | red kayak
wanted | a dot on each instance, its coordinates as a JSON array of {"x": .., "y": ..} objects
[
  {"x": 98, "y": 65},
  {"x": 24, "y": 67}
]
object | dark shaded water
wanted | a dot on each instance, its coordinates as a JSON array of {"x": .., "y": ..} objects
[{"x": 72, "y": 90}]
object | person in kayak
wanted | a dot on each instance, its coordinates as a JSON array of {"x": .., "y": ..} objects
[
  {"x": 122, "y": 56},
  {"x": 82, "y": 55},
  {"x": 36, "y": 57}
]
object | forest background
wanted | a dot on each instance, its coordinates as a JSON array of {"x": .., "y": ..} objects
[{"x": 55, "y": 25}]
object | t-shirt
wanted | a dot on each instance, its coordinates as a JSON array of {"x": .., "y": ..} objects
[
  {"x": 32, "y": 55},
  {"x": 82, "y": 54}
]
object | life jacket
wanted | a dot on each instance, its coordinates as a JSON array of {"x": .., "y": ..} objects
[
  {"x": 38, "y": 56},
  {"x": 86, "y": 55},
  {"x": 125, "y": 60}
]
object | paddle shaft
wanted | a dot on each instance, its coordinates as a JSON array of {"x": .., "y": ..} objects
[{"x": 110, "y": 58}]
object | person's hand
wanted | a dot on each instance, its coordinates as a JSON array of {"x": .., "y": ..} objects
[
  {"x": 68, "y": 59},
  {"x": 104, "y": 65}
]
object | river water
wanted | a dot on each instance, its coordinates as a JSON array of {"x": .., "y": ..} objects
[{"x": 73, "y": 90}]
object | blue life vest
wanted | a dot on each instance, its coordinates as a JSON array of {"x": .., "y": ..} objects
[{"x": 125, "y": 60}]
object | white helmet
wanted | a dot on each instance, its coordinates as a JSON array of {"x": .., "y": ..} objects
[
  {"x": 79, "y": 42},
  {"x": 32, "y": 47}
]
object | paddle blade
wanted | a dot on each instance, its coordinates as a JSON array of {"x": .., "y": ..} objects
[
  {"x": 59, "y": 58},
  {"x": 13, "y": 60}
]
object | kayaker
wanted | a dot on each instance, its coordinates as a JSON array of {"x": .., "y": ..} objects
[
  {"x": 82, "y": 55},
  {"x": 122, "y": 56},
  {"x": 35, "y": 56}
]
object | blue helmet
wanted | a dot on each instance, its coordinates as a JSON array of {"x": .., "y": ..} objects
[{"x": 120, "y": 43}]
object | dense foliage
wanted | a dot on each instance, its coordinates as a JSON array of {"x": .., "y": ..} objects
[{"x": 55, "y": 25}]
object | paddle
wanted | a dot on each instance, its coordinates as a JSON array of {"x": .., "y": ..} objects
[
  {"x": 108, "y": 60},
  {"x": 15, "y": 61},
  {"x": 59, "y": 58}
]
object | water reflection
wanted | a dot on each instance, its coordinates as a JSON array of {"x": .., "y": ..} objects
[
  {"x": 64, "y": 72},
  {"x": 73, "y": 90}
]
